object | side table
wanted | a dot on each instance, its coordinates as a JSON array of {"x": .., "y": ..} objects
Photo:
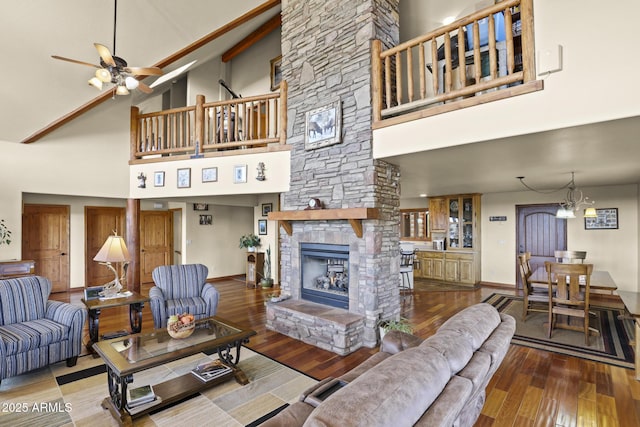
[{"x": 134, "y": 300}]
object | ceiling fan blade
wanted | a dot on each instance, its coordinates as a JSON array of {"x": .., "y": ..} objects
[
  {"x": 144, "y": 88},
  {"x": 105, "y": 54},
  {"x": 143, "y": 71},
  {"x": 75, "y": 61}
]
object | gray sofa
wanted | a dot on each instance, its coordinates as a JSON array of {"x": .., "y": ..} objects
[{"x": 439, "y": 381}]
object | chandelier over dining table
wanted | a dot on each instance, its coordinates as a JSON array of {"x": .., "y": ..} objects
[{"x": 573, "y": 201}]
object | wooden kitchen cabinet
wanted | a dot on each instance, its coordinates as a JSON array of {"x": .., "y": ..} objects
[
  {"x": 438, "y": 214},
  {"x": 432, "y": 265},
  {"x": 460, "y": 267}
]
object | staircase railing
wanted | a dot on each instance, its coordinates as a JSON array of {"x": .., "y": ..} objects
[
  {"x": 491, "y": 50},
  {"x": 209, "y": 127}
]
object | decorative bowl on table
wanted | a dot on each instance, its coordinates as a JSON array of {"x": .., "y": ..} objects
[{"x": 181, "y": 325}]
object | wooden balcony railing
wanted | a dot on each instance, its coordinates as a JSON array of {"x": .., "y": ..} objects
[
  {"x": 484, "y": 56},
  {"x": 208, "y": 127}
]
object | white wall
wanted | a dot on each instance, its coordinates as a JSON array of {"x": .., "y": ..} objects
[{"x": 613, "y": 250}]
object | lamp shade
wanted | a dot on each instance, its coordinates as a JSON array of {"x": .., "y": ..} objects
[
  {"x": 590, "y": 213},
  {"x": 113, "y": 250},
  {"x": 565, "y": 213},
  {"x": 95, "y": 82}
]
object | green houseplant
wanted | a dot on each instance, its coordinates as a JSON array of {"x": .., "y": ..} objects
[
  {"x": 402, "y": 325},
  {"x": 5, "y": 234},
  {"x": 249, "y": 241},
  {"x": 267, "y": 280}
]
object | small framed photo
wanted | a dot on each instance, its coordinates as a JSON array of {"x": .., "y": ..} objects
[
  {"x": 206, "y": 219},
  {"x": 607, "y": 219},
  {"x": 200, "y": 207},
  {"x": 276, "y": 72},
  {"x": 92, "y": 292},
  {"x": 323, "y": 126},
  {"x": 266, "y": 208},
  {"x": 184, "y": 178},
  {"x": 158, "y": 179},
  {"x": 209, "y": 174},
  {"x": 262, "y": 227},
  {"x": 239, "y": 174}
]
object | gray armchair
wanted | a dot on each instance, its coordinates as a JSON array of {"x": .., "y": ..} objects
[
  {"x": 34, "y": 331},
  {"x": 179, "y": 289}
]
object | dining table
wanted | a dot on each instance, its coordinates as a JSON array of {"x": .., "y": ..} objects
[{"x": 601, "y": 281}]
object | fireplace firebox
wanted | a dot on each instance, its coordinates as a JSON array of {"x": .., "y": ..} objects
[{"x": 324, "y": 274}]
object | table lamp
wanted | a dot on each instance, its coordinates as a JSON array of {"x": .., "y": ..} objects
[{"x": 113, "y": 250}]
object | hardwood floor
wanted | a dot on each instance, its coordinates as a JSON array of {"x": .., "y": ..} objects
[{"x": 531, "y": 387}]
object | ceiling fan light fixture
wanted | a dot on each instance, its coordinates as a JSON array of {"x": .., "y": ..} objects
[
  {"x": 103, "y": 75},
  {"x": 122, "y": 90},
  {"x": 131, "y": 83},
  {"x": 565, "y": 213},
  {"x": 95, "y": 82}
]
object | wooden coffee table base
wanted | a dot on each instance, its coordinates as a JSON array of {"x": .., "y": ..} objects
[{"x": 169, "y": 392}]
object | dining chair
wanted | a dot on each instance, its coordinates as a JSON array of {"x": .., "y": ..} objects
[
  {"x": 571, "y": 297},
  {"x": 570, "y": 256},
  {"x": 534, "y": 298}
]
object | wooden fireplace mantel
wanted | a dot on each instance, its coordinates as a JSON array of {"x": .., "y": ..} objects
[{"x": 353, "y": 215}]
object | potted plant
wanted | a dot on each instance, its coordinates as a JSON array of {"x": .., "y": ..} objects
[
  {"x": 249, "y": 241},
  {"x": 402, "y": 325},
  {"x": 5, "y": 234},
  {"x": 267, "y": 280}
]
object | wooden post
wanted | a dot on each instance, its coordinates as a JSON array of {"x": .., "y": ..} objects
[
  {"x": 528, "y": 54},
  {"x": 283, "y": 112},
  {"x": 133, "y": 133},
  {"x": 133, "y": 244},
  {"x": 199, "y": 124},
  {"x": 376, "y": 80}
]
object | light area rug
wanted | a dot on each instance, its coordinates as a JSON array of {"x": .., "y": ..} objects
[
  {"x": 62, "y": 396},
  {"x": 611, "y": 346}
]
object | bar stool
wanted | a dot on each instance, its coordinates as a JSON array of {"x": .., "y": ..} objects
[{"x": 406, "y": 270}]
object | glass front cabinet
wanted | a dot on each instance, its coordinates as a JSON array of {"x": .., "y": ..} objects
[{"x": 462, "y": 233}]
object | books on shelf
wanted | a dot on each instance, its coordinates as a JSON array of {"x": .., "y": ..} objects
[
  {"x": 139, "y": 396},
  {"x": 210, "y": 370}
]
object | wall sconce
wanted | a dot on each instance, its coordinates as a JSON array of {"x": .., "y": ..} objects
[
  {"x": 260, "y": 170},
  {"x": 142, "y": 180}
]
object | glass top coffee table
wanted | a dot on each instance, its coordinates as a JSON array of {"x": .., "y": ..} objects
[{"x": 125, "y": 356}]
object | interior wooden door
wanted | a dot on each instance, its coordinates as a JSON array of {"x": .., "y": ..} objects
[
  {"x": 100, "y": 222},
  {"x": 45, "y": 239},
  {"x": 539, "y": 232},
  {"x": 156, "y": 237}
]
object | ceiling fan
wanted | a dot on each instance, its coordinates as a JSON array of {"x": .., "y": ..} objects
[{"x": 113, "y": 69}]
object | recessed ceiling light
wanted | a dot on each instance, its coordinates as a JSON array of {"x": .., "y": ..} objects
[{"x": 423, "y": 195}]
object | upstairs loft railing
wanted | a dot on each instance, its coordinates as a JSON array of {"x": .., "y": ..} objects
[
  {"x": 485, "y": 56},
  {"x": 206, "y": 128}
]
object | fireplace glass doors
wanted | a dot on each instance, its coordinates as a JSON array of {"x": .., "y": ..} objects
[{"x": 325, "y": 274}]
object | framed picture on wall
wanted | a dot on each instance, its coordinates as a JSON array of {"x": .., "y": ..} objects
[
  {"x": 158, "y": 179},
  {"x": 206, "y": 219},
  {"x": 239, "y": 174},
  {"x": 323, "y": 126},
  {"x": 266, "y": 208},
  {"x": 607, "y": 219},
  {"x": 276, "y": 72},
  {"x": 184, "y": 178},
  {"x": 209, "y": 174},
  {"x": 262, "y": 227}
]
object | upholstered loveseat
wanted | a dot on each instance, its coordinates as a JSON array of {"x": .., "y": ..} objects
[
  {"x": 439, "y": 381},
  {"x": 181, "y": 289},
  {"x": 35, "y": 332}
]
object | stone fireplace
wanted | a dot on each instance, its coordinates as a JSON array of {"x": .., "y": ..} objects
[
  {"x": 324, "y": 274},
  {"x": 326, "y": 60}
]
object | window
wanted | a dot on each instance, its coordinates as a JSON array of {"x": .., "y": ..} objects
[{"x": 414, "y": 224}]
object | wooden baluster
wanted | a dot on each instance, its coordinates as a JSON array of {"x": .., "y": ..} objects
[
  {"x": 434, "y": 67},
  {"x": 462, "y": 60},
  {"x": 398, "y": 78},
  {"x": 477, "y": 57},
  {"x": 508, "y": 25},
  {"x": 282, "y": 131},
  {"x": 376, "y": 82},
  {"x": 409, "y": 74},
  {"x": 493, "y": 60},
  {"x": 421, "y": 70},
  {"x": 526, "y": 17},
  {"x": 448, "y": 83},
  {"x": 387, "y": 79}
]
